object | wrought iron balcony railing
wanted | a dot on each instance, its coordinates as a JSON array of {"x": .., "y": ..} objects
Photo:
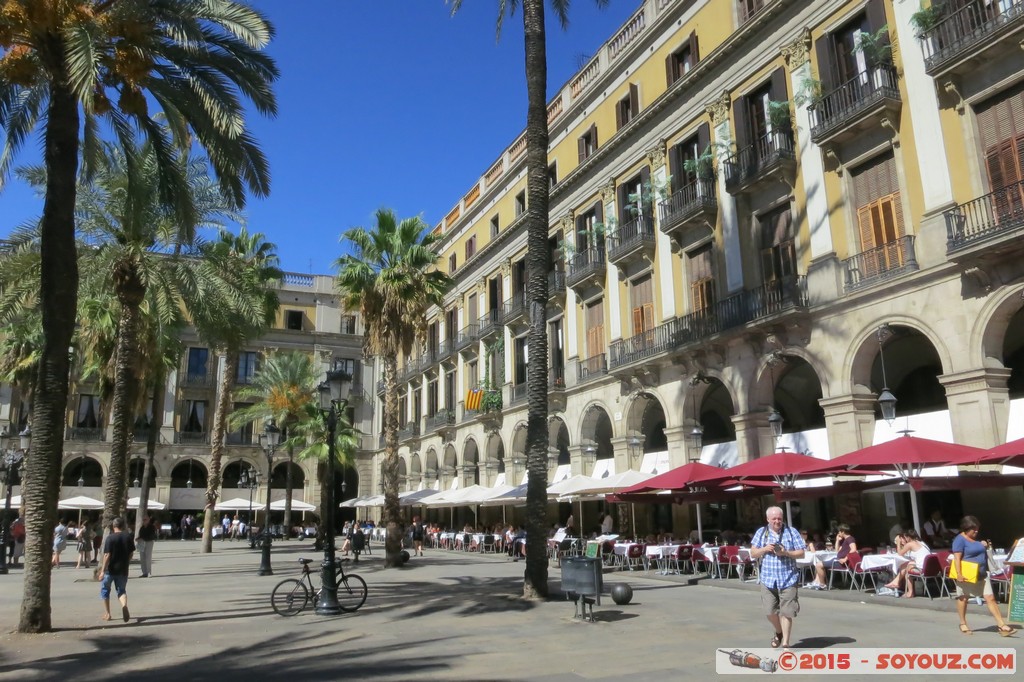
[
  {"x": 592, "y": 367},
  {"x": 84, "y": 433},
  {"x": 491, "y": 322},
  {"x": 556, "y": 378},
  {"x": 520, "y": 392},
  {"x": 771, "y": 152},
  {"x": 556, "y": 283},
  {"x": 440, "y": 420},
  {"x": 880, "y": 264},
  {"x": 973, "y": 27},
  {"x": 849, "y": 102},
  {"x": 694, "y": 200},
  {"x": 515, "y": 307},
  {"x": 586, "y": 264},
  {"x": 632, "y": 238},
  {"x": 643, "y": 346},
  {"x": 192, "y": 438},
  {"x": 408, "y": 431},
  {"x": 987, "y": 217},
  {"x": 467, "y": 337}
]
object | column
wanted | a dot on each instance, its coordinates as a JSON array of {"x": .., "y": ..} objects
[
  {"x": 753, "y": 436},
  {"x": 620, "y": 446},
  {"x": 850, "y": 422},
  {"x": 979, "y": 405},
  {"x": 680, "y": 451},
  {"x": 719, "y": 111},
  {"x": 824, "y": 274},
  {"x": 659, "y": 179},
  {"x": 170, "y": 407},
  {"x": 614, "y": 316}
]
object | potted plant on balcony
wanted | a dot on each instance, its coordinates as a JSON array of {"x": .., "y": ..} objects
[
  {"x": 927, "y": 18},
  {"x": 702, "y": 167}
]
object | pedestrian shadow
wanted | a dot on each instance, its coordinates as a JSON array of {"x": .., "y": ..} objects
[
  {"x": 605, "y": 616},
  {"x": 822, "y": 642}
]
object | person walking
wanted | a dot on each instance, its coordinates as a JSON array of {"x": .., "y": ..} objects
[
  {"x": 118, "y": 549},
  {"x": 60, "y": 541},
  {"x": 778, "y": 546},
  {"x": 18, "y": 535},
  {"x": 970, "y": 568},
  {"x": 84, "y": 545},
  {"x": 417, "y": 536},
  {"x": 144, "y": 543}
]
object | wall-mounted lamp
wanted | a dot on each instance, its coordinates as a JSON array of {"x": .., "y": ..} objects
[{"x": 886, "y": 400}]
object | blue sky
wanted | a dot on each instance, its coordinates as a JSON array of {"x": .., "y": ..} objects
[{"x": 389, "y": 103}]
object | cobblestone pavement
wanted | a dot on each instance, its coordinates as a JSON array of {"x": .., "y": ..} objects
[{"x": 445, "y": 616}]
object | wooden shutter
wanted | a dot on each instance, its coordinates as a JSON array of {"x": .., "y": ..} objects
[
  {"x": 741, "y": 116},
  {"x": 581, "y": 147},
  {"x": 472, "y": 309},
  {"x": 1003, "y": 162},
  {"x": 622, "y": 200},
  {"x": 634, "y": 101},
  {"x": 599, "y": 218},
  {"x": 694, "y": 51},
  {"x": 825, "y": 49},
  {"x": 595, "y": 329},
  {"x": 675, "y": 167},
  {"x": 618, "y": 114},
  {"x": 875, "y": 12},
  {"x": 703, "y": 138},
  {"x": 670, "y": 68},
  {"x": 645, "y": 179}
]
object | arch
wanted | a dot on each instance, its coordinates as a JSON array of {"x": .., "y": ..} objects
[
  {"x": 470, "y": 453},
  {"x": 646, "y": 417},
  {"x": 597, "y": 428},
  {"x": 451, "y": 458},
  {"x": 416, "y": 465},
  {"x": 713, "y": 406},
  {"x": 280, "y": 477},
  {"x": 83, "y": 468},
  {"x": 403, "y": 473},
  {"x": 136, "y": 469},
  {"x": 495, "y": 453},
  {"x": 558, "y": 438},
  {"x": 181, "y": 474},
  {"x": 231, "y": 474},
  {"x": 994, "y": 325},
  {"x": 519, "y": 441},
  {"x": 861, "y": 355},
  {"x": 913, "y": 365},
  {"x": 794, "y": 388},
  {"x": 431, "y": 463}
]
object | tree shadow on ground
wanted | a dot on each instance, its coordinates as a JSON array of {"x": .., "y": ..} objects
[{"x": 822, "y": 642}]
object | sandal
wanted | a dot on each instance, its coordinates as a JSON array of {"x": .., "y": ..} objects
[
  {"x": 1006, "y": 631},
  {"x": 777, "y": 640},
  {"x": 966, "y": 630}
]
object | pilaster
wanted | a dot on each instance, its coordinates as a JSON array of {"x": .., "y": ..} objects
[
  {"x": 753, "y": 436},
  {"x": 850, "y": 422},
  {"x": 979, "y": 405}
]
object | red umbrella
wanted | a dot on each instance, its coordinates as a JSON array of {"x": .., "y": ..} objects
[
  {"x": 782, "y": 468},
  {"x": 678, "y": 479},
  {"x": 1011, "y": 453}
]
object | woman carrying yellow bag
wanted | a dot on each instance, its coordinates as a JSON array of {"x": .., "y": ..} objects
[{"x": 969, "y": 570}]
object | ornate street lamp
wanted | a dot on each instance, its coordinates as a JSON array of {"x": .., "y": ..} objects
[
  {"x": 886, "y": 400},
  {"x": 774, "y": 418},
  {"x": 696, "y": 434},
  {"x": 81, "y": 471},
  {"x": 271, "y": 437},
  {"x": 10, "y": 460},
  {"x": 333, "y": 400},
  {"x": 636, "y": 448}
]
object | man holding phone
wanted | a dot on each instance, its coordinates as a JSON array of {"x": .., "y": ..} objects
[{"x": 778, "y": 547}]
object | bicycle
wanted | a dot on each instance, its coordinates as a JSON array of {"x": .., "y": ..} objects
[{"x": 290, "y": 596}]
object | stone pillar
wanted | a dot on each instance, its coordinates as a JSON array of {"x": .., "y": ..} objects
[
  {"x": 613, "y": 321},
  {"x": 620, "y": 446},
  {"x": 660, "y": 179},
  {"x": 753, "y": 436},
  {"x": 979, "y": 405},
  {"x": 580, "y": 460},
  {"x": 850, "y": 422},
  {"x": 719, "y": 111},
  {"x": 680, "y": 451}
]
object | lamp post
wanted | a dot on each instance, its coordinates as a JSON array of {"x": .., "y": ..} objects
[
  {"x": 774, "y": 418},
  {"x": 10, "y": 459},
  {"x": 333, "y": 398},
  {"x": 636, "y": 448},
  {"x": 81, "y": 471},
  {"x": 886, "y": 400},
  {"x": 271, "y": 437},
  {"x": 250, "y": 478},
  {"x": 696, "y": 434}
]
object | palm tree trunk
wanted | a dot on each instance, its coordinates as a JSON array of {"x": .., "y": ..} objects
[
  {"x": 58, "y": 293},
  {"x": 535, "y": 584},
  {"x": 288, "y": 495},
  {"x": 126, "y": 381},
  {"x": 217, "y": 446},
  {"x": 159, "y": 389},
  {"x": 392, "y": 512}
]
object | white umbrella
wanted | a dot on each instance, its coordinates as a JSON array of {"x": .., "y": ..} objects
[
  {"x": 297, "y": 505},
  {"x": 15, "y": 501},
  {"x": 514, "y": 497},
  {"x": 80, "y": 502},
  {"x": 133, "y": 503},
  {"x": 371, "y": 501},
  {"x": 351, "y": 502},
  {"x": 234, "y": 504}
]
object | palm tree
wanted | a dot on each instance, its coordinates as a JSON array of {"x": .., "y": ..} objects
[
  {"x": 244, "y": 311},
  {"x": 65, "y": 65},
  {"x": 390, "y": 278},
  {"x": 538, "y": 262},
  {"x": 283, "y": 387}
]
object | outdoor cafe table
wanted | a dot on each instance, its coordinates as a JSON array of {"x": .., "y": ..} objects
[
  {"x": 621, "y": 550},
  {"x": 661, "y": 554},
  {"x": 711, "y": 552},
  {"x": 890, "y": 561}
]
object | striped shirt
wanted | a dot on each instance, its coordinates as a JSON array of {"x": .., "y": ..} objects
[{"x": 778, "y": 572}]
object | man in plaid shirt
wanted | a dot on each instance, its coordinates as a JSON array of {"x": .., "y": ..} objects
[{"x": 778, "y": 547}]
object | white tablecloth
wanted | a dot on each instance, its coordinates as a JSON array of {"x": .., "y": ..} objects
[
  {"x": 892, "y": 562},
  {"x": 622, "y": 548},
  {"x": 822, "y": 556},
  {"x": 998, "y": 562}
]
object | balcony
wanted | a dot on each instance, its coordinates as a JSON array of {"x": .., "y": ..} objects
[
  {"x": 857, "y": 105},
  {"x": 236, "y": 438},
  {"x": 556, "y": 284},
  {"x": 446, "y": 350},
  {"x": 748, "y": 8},
  {"x": 515, "y": 309},
  {"x": 491, "y": 323},
  {"x": 880, "y": 264},
  {"x": 777, "y": 297},
  {"x": 520, "y": 393},
  {"x": 467, "y": 337},
  {"x": 633, "y": 241},
  {"x": 380, "y": 386},
  {"x": 769, "y": 160},
  {"x": 409, "y": 431},
  {"x": 587, "y": 267},
  {"x": 991, "y": 225},
  {"x": 591, "y": 368},
  {"x": 688, "y": 216},
  {"x": 972, "y": 36},
  {"x": 644, "y": 346},
  {"x": 192, "y": 438},
  {"x": 442, "y": 421},
  {"x": 85, "y": 434},
  {"x": 197, "y": 379},
  {"x": 556, "y": 388}
]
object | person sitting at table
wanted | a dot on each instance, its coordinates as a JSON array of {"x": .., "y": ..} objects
[
  {"x": 844, "y": 544},
  {"x": 935, "y": 532},
  {"x": 519, "y": 544},
  {"x": 898, "y": 529},
  {"x": 909, "y": 543}
]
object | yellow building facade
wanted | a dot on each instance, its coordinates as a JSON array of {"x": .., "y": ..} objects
[{"x": 757, "y": 207}]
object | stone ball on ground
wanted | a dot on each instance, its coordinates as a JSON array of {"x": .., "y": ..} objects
[
  {"x": 405, "y": 556},
  {"x": 622, "y": 593}
]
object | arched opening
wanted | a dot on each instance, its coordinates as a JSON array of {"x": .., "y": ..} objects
[
  {"x": 471, "y": 460},
  {"x": 646, "y": 420},
  {"x": 715, "y": 412},
  {"x": 797, "y": 395},
  {"x": 431, "y": 473},
  {"x": 230, "y": 477},
  {"x": 558, "y": 438},
  {"x": 403, "y": 475},
  {"x": 597, "y": 429},
  {"x": 912, "y": 370},
  {"x": 136, "y": 470},
  {"x": 448, "y": 466},
  {"x": 495, "y": 454},
  {"x": 1013, "y": 354},
  {"x": 415, "y": 469},
  {"x": 280, "y": 478},
  {"x": 85, "y": 469}
]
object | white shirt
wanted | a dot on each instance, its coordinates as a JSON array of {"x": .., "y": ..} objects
[{"x": 607, "y": 524}]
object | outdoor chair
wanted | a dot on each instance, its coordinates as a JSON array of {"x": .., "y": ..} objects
[
  {"x": 849, "y": 569},
  {"x": 1001, "y": 583},
  {"x": 487, "y": 544},
  {"x": 635, "y": 556},
  {"x": 699, "y": 560},
  {"x": 931, "y": 570}
]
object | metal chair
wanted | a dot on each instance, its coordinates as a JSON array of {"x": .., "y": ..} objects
[{"x": 931, "y": 570}]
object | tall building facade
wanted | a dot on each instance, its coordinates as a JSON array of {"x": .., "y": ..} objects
[
  {"x": 310, "y": 320},
  {"x": 757, "y": 207}
]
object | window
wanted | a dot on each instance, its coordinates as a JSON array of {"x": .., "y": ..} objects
[
  {"x": 679, "y": 63},
  {"x": 628, "y": 107},
  {"x": 879, "y": 213},
  {"x": 494, "y": 227},
  {"x": 348, "y": 324},
  {"x": 702, "y": 280},
  {"x": 88, "y": 415},
  {"x": 470, "y": 247},
  {"x": 248, "y": 365},
  {"x": 472, "y": 376},
  {"x": 432, "y": 398},
  {"x": 522, "y": 358},
  {"x": 471, "y": 310},
  {"x": 433, "y": 338},
  {"x": 197, "y": 364},
  {"x": 595, "y": 328},
  {"x": 588, "y": 236},
  {"x": 349, "y": 366},
  {"x": 778, "y": 252},
  {"x": 552, "y": 175},
  {"x": 1001, "y": 132},
  {"x": 194, "y": 420},
  {"x": 449, "y": 389},
  {"x": 521, "y": 203},
  {"x": 452, "y": 262},
  {"x": 753, "y": 115},
  {"x": 293, "y": 320},
  {"x": 642, "y": 300},
  {"x": 838, "y": 56},
  {"x": 633, "y": 200},
  {"x": 587, "y": 143},
  {"x": 243, "y": 434},
  {"x": 748, "y": 8},
  {"x": 556, "y": 346},
  {"x": 451, "y": 321},
  {"x": 691, "y": 149}
]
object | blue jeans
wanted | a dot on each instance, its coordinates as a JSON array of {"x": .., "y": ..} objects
[{"x": 120, "y": 583}]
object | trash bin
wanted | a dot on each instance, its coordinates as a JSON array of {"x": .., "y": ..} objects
[{"x": 582, "y": 581}]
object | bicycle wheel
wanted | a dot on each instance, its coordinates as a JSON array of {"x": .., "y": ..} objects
[
  {"x": 289, "y": 597},
  {"x": 351, "y": 592}
]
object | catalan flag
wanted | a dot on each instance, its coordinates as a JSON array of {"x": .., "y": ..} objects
[{"x": 474, "y": 398}]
